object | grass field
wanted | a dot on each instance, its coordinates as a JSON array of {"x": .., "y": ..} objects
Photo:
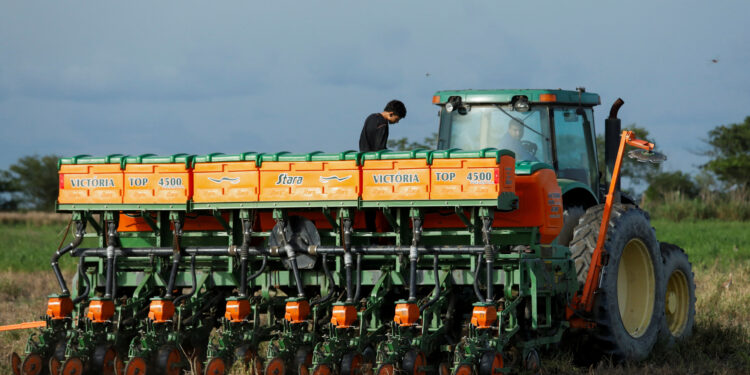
[{"x": 719, "y": 251}]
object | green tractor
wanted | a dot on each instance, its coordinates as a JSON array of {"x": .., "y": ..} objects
[{"x": 646, "y": 291}]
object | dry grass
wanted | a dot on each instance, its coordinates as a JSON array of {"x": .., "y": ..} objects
[{"x": 34, "y": 217}]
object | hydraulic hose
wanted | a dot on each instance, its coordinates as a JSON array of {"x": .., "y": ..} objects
[
  {"x": 111, "y": 242},
  {"x": 82, "y": 275},
  {"x": 476, "y": 277},
  {"x": 331, "y": 282},
  {"x": 260, "y": 270},
  {"x": 195, "y": 282},
  {"x": 436, "y": 293},
  {"x": 359, "y": 277},
  {"x": 246, "y": 231},
  {"x": 175, "y": 260},
  {"x": 347, "y": 228},
  {"x": 80, "y": 230}
]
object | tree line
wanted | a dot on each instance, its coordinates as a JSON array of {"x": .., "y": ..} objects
[{"x": 32, "y": 182}]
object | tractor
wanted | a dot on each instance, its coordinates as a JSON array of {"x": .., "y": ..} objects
[{"x": 467, "y": 259}]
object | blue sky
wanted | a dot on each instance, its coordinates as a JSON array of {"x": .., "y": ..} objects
[{"x": 199, "y": 77}]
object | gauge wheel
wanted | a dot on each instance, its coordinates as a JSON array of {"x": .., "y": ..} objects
[
  {"x": 169, "y": 361},
  {"x": 490, "y": 363},
  {"x": 322, "y": 369},
  {"x": 72, "y": 366},
  {"x": 275, "y": 366},
  {"x": 15, "y": 363},
  {"x": 386, "y": 369},
  {"x": 414, "y": 362},
  {"x": 351, "y": 363},
  {"x": 136, "y": 366},
  {"x": 103, "y": 361},
  {"x": 464, "y": 369},
  {"x": 215, "y": 366}
]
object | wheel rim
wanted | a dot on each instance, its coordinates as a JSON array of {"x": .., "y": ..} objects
[
  {"x": 275, "y": 367},
  {"x": 119, "y": 365},
  {"x": 464, "y": 369},
  {"x": 215, "y": 366},
  {"x": 302, "y": 370},
  {"x": 677, "y": 302},
  {"x": 32, "y": 365},
  {"x": 386, "y": 369},
  {"x": 322, "y": 369},
  {"x": 136, "y": 366},
  {"x": 54, "y": 366},
  {"x": 635, "y": 288},
  {"x": 444, "y": 368},
  {"x": 73, "y": 366},
  {"x": 15, "y": 363}
]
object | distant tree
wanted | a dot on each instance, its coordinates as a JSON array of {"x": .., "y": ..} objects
[
  {"x": 35, "y": 179},
  {"x": 8, "y": 199},
  {"x": 635, "y": 172},
  {"x": 402, "y": 144},
  {"x": 661, "y": 184},
  {"x": 730, "y": 153}
]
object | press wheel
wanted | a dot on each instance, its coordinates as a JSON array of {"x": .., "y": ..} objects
[
  {"x": 215, "y": 366},
  {"x": 169, "y": 361},
  {"x": 72, "y": 366},
  {"x": 322, "y": 369},
  {"x": 413, "y": 362},
  {"x": 303, "y": 357},
  {"x": 275, "y": 366},
  {"x": 32, "y": 365},
  {"x": 15, "y": 363},
  {"x": 103, "y": 361},
  {"x": 490, "y": 363},
  {"x": 302, "y": 370},
  {"x": 386, "y": 369},
  {"x": 351, "y": 363}
]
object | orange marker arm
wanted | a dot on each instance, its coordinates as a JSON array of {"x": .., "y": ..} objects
[{"x": 27, "y": 325}]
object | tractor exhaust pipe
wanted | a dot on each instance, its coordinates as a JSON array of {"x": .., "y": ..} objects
[{"x": 612, "y": 130}]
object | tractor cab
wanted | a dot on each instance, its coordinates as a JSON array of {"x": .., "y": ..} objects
[{"x": 555, "y": 127}]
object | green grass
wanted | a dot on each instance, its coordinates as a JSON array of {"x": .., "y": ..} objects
[
  {"x": 708, "y": 243},
  {"x": 29, "y": 247}
]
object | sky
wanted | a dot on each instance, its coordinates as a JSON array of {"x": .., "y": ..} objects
[{"x": 198, "y": 77}]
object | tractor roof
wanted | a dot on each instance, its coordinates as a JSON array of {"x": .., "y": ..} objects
[{"x": 506, "y": 96}]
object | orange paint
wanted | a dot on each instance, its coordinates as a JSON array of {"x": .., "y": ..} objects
[
  {"x": 101, "y": 311},
  {"x": 157, "y": 184},
  {"x": 237, "y": 310},
  {"x": 309, "y": 180},
  {"x": 471, "y": 178},
  {"x": 297, "y": 311},
  {"x": 90, "y": 184},
  {"x": 59, "y": 307},
  {"x": 161, "y": 311},
  {"x": 225, "y": 182},
  {"x": 483, "y": 316},
  {"x": 407, "y": 314},
  {"x": 343, "y": 316},
  {"x": 386, "y": 180}
]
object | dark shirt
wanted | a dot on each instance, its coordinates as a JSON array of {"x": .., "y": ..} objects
[
  {"x": 507, "y": 142},
  {"x": 374, "y": 136}
]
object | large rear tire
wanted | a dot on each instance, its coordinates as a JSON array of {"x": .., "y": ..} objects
[
  {"x": 629, "y": 305},
  {"x": 679, "y": 296}
]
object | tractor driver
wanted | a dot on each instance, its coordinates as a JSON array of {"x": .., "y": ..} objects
[{"x": 512, "y": 141}]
